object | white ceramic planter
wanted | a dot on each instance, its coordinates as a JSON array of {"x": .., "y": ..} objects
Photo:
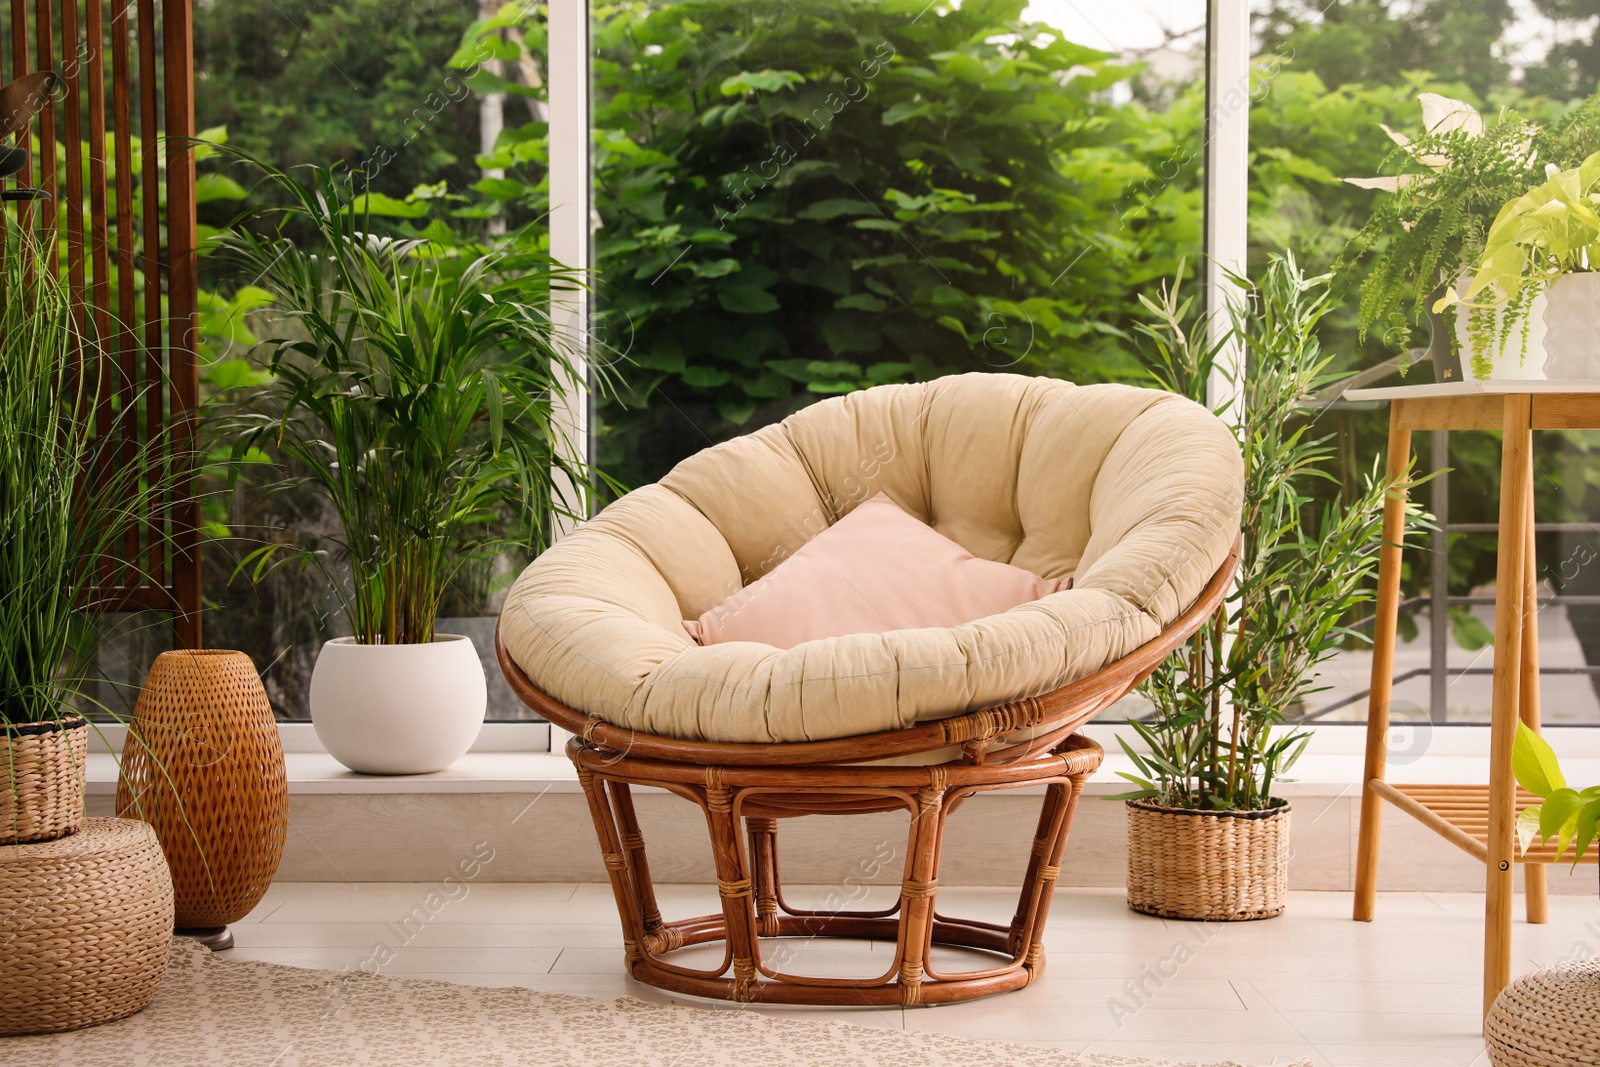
[
  {"x": 398, "y": 709},
  {"x": 1509, "y": 363},
  {"x": 1572, "y": 326}
]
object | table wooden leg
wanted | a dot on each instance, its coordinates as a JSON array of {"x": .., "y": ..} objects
[
  {"x": 1536, "y": 886},
  {"x": 1516, "y": 473},
  {"x": 1383, "y": 642}
]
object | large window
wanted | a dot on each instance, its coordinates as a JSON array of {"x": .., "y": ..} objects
[{"x": 792, "y": 200}]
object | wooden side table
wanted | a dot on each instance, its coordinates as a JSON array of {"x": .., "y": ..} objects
[{"x": 1480, "y": 820}]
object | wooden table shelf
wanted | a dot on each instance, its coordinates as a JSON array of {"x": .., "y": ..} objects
[
  {"x": 1480, "y": 820},
  {"x": 1460, "y": 814}
]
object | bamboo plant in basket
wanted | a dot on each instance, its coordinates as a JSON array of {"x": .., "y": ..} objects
[
  {"x": 1208, "y": 839},
  {"x": 68, "y": 494},
  {"x": 412, "y": 386}
]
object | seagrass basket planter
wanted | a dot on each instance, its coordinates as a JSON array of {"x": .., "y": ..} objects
[
  {"x": 1216, "y": 866},
  {"x": 203, "y": 765},
  {"x": 42, "y": 769},
  {"x": 87, "y": 921},
  {"x": 1550, "y": 1018}
]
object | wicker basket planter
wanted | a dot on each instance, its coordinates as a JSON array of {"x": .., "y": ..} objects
[
  {"x": 203, "y": 764},
  {"x": 1218, "y": 866},
  {"x": 42, "y": 771},
  {"x": 88, "y": 927},
  {"x": 1550, "y": 1018}
]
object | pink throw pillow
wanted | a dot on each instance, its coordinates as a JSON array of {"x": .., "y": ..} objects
[{"x": 875, "y": 570}]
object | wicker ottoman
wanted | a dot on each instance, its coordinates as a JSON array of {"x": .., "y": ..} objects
[
  {"x": 85, "y": 927},
  {"x": 1550, "y": 1018}
]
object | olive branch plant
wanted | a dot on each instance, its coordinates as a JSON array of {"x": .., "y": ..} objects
[{"x": 1218, "y": 738}]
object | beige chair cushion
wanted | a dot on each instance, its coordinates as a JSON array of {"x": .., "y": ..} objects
[{"x": 1134, "y": 493}]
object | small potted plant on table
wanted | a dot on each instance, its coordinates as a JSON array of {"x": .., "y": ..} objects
[
  {"x": 1207, "y": 836},
  {"x": 410, "y": 385},
  {"x": 1548, "y": 241}
]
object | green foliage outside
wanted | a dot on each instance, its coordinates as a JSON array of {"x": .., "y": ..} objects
[{"x": 987, "y": 197}]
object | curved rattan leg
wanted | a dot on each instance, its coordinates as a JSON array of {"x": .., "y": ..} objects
[
  {"x": 605, "y": 828},
  {"x": 638, "y": 866},
  {"x": 920, "y": 885},
  {"x": 734, "y": 885},
  {"x": 1044, "y": 870},
  {"x": 764, "y": 866}
]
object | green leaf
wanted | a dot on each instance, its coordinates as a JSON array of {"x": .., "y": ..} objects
[
  {"x": 501, "y": 188},
  {"x": 211, "y": 187},
  {"x": 766, "y": 81},
  {"x": 736, "y": 409},
  {"x": 746, "y": 300},
  {"x": 861, "y": 302},
  {"x": 1534, "y": 763},
  {"x": 387, "y": 206},
  {"x": 706, "y": 377},
  {"x": 1528, "y": 826}
]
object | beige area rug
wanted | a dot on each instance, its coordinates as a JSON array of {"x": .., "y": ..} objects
[{"x": 212, "y": 1012}]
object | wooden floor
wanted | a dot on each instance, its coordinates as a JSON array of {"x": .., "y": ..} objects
[{"x": 1400, "y": 991}]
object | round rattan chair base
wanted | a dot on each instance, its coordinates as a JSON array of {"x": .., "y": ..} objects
[
  {"x": 744, "y": 806},
  {"x": 1550, "y": 1018},
  {"x": 1212, "y": 866},
  {"x": 88, "y": 925}
]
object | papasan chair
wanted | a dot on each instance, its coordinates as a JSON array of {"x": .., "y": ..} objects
[{"x": 1134, "y": 494}]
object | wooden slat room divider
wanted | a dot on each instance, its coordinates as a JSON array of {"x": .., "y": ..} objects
[{"x": 127, "y": 227}]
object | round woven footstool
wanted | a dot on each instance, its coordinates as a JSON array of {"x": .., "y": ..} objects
[
  {"x": 85, "y": 927},
  {"x": 1550, "y": 1018}
]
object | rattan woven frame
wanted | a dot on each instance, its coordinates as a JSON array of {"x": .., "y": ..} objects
[
  {"x": 755, "y": 785},
  {"x": 42, "y": 779},
  {"x": 203, "y": 765}
]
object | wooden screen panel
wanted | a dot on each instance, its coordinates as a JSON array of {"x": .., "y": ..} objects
[{"x": 128, "y": 229}]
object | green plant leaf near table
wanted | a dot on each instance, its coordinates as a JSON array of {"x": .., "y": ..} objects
[{"x": 1571, "y": 816}]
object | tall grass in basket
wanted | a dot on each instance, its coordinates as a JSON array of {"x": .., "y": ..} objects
[
  {"x": 411, "y": 385},
  {"x": 71, "y": 486}
]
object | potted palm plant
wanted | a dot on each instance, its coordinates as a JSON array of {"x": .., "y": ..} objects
[
  {"x": 410, "y": 385},
  {"x": 1207, "y": 836},
  {"x": 65, "y": 505},
  {"x": 1547, "y": 240}
]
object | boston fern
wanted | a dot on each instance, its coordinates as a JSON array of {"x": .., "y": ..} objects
[
  {"x": 1216, "y": 740},
  {"x": 1423, "y": 234},
  {"x": 410, "y": 384}
]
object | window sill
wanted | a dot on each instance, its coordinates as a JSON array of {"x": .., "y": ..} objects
[{"x": 1457, "y": 756}]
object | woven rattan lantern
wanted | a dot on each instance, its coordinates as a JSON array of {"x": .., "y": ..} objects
[{"x": 203, "y": 764}]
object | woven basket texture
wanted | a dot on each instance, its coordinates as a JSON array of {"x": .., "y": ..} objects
[
  {"x": 1549, "y": 1018},
  {"x": 88, "y": 927},
  {"x": 42, "y": 765},
  {"x": 1215, "y": 866},
  {"x": 203, "y": 764}
]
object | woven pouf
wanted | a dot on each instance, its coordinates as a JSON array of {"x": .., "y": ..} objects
[
  {"x": 203, "y": 764},
  {"x": 1550, "y": 1018},
  {"x": 43, "y": 765},
  {"x": 85, "y": 927},
  {"x": 1217, "y": 866}
]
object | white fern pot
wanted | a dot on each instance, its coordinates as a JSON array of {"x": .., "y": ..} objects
[
  {"x": 398, "y": 709},
  {"x": 1528, "y": 336},
  {"x": 1572, "y": 326}
]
